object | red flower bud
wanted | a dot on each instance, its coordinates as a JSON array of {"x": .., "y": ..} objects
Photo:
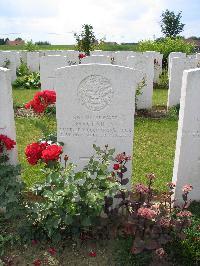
[
  {"x": 52, "y": 251},
  {"x": 116, "y": 166},
  {"x": 92, "y": 254}
]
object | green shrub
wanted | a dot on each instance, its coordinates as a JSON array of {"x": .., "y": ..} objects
[
  {"x": 23, "y": 69},
  {"x": 166, "y": 46},
  {"x": 173, "y": 112},
  {"x": 31, "y": 47},
  {"x": 163, "y": 82},
  {"x": 187, "y": 252},
  {"x": 70, "y": 199},
  {"x": 29, "y": 81}
]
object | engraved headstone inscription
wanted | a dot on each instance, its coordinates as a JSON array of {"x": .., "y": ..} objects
[{"x": 95, "y": 105}]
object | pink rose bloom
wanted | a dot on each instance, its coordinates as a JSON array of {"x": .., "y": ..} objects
[
  {"x": 187, "y": 188},
  {"x": 184, "y": 214},
  {"x": 140, "y": 188},
  {"x": 146, "y": 213}
]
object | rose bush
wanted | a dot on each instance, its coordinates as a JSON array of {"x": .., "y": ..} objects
[
  {"x": 47, "y": 152},
  {"x": 41, "y": 101},
  {"x": 6, "y": 144}
]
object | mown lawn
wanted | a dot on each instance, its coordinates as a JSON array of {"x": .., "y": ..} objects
[
  {"x": 22, "y": 96},
  {"x": 154, "y": 142},
  {"x": 160, "y": 97},
  {"x": 105, "y": 47}
]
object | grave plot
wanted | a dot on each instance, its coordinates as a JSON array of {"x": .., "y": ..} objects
[{"x": 95, "y": 105}]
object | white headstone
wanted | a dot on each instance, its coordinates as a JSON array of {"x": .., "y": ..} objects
[
  {"x": 53, "y": 52},
  {"x": 187, "y": 156},
  {"x": 101, "y": 59},
  {"x": 120, "y": 57},
  {"x": 33, "y": 61},
  {"x": 158, "y": 57},
  {"x": 23, "y": 56},
  {"x": 101, "y": 52},
  {"x": 178, "y": 65},
  {"x": 10, "y": 60},
  {"x": 144, "y": 64},
  {"x": 95, "y": 105},
  {"x": 48, "y": 65},
  {"x": 173, "y": 55},
  {"x": 72, "y": 57},
  {"x": 7, "y": 123}
]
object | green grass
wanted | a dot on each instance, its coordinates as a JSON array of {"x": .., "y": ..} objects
[
  {"x": 105, "y": 47},
  {"x": 154, "y": 142},
  {"x": 160, "y": 97},
  {"x": 154, "y": 149},
  {"x": 28, "y": 132},
  {"x": 22, "y": 96},
  {"x": 41, "y": 47}
]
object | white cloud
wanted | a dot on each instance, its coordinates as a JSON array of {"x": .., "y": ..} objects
[{"x": 118, "y": 20}]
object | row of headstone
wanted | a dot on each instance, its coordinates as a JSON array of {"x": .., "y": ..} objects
[
  {"x": 100, "y": 112},
  {"x": 94, "y": 109},
  {"x": 142, "y": 61},
  {"x": 12, "y": 59},
  {"x": 120, "y": 58},
  {"x": 7, "y": 123},
  {"x": 178, "y": 62}
]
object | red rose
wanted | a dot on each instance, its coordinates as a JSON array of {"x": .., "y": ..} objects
[
  {"x": 116, "y": 166},
  {"x": 41, "y": 100},
  {"x": 6, "y": 142},
  {"x": 51, "y": 153},
  {"x": 92, "y": 254},
  {"x": 81, "y": 56},
  {"x": 34, "y": 242},
  {"x": 37, "y": 262},
  {"x": 34, "y": 152},
  {"x": 52, "y": 251}
]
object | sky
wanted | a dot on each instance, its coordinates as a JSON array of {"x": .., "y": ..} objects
[{"x": 115, "y": 20}]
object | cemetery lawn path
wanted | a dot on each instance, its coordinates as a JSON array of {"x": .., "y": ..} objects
[
  {"x": 154, "y": 150},
  {"x": 160, "y": 97}
]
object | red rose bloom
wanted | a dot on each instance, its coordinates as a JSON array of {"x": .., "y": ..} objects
[
  {"x": 81, "y": 56},
  {"x": 37, "y": 262},
  {"x": 116, "y": 166},
  {"x": 34, "y": 242},
  {"x": 41, "y": 101},
  {"x": 92, "y": 254},
  {"x": 34, "y": 152},
  {"x": 51, "y": 153},
  {"x": 6, "y": 142},
  {"x": 52, "y": 251}
]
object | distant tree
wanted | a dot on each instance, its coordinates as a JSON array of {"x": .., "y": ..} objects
[
  {"x": 194, "y": 38},
  {"x": 86, "y": 40},
  {"x": 2, "y": 42},
  {"x": 42, "y": 43},
  {"x": 18, "y": 39},
  {"x": 30, "y": 46},
  {"x": 171, "y": 24}
]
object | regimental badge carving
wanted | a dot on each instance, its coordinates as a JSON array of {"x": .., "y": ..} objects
[{"x": 95, "y": 92}]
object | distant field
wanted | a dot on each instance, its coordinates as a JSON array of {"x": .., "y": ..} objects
[{"x": 106, "y": 47}]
